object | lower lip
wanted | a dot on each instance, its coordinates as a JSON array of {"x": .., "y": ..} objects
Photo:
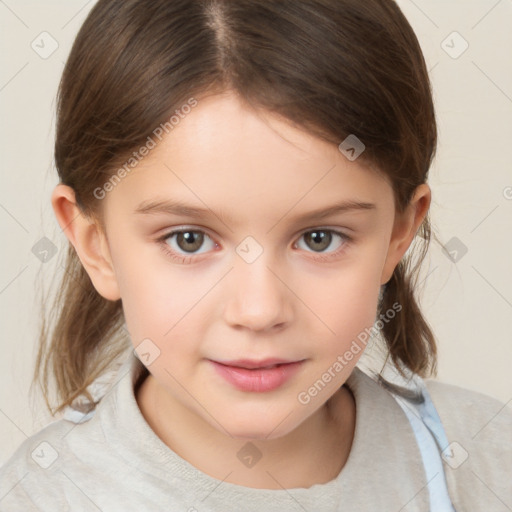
[{"x": 258, "y": 380}]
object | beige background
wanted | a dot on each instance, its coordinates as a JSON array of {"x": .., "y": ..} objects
[{"x": 468, "y": 302}]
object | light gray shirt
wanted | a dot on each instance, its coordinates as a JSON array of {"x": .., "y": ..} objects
[{"x": 115, "y": 462}]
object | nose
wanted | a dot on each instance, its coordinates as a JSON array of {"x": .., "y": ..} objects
[{"x": 259, "y": 298}]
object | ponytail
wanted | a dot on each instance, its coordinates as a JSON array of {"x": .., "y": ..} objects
[
  {"x": 408, "y": 336},
  {"x": 74, "y": 351}
]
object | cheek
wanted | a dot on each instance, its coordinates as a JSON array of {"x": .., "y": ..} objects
[
  {"x": 343, "y": 301},
  {"x": 160, "y": 301},
  {"x": 148, "y": 301},
  {"x": 345, "y": 307}
]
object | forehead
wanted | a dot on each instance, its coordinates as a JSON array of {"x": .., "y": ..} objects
[{"x": 225, "y": 155}]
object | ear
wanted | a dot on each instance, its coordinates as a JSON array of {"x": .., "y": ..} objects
[
  {"x": 89, "y": 241},
  {"x": 405, "y": 228}
]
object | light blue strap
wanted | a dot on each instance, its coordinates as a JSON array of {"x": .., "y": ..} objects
[
  {"x": 430, "y": 417},
  {"x": 431, "y": 439}
]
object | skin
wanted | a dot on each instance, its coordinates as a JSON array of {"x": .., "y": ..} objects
[{"x": 256, "y": 172}]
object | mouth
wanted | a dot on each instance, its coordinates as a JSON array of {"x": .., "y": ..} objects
[
  {"x": 257, "y": 376},
  {"x": 263, "y": 364}
]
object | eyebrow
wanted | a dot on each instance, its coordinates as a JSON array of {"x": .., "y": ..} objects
[{"x": 179, "y": 208}]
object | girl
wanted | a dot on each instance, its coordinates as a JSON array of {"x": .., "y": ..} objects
[{"x": 203, "y": 348}]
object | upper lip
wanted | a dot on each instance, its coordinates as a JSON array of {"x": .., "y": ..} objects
[{"x": 252, "y": 364}]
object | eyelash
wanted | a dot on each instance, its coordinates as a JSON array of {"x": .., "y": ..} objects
[{"x": 345, "y": 239}]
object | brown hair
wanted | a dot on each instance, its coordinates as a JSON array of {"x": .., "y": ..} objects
[{"x": 331, "y": 67}]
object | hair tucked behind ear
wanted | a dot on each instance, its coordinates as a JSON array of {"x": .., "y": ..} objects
[
  {"x": 331, "y": 67},
  {"x": 408, "y": 337},
  {"x": 82, "y": 321}
]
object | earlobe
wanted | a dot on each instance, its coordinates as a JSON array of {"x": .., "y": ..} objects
[
  {"x": 89, "y": 241},
  {"x": 405, "y": 228}
]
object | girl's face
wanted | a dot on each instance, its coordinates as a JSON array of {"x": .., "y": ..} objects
[{"x": 268, "y": 267}]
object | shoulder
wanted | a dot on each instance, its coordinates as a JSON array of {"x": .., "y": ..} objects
[
  {"x": 30, "y": 479},
  {"x": 44, "y": 472},
  {"x": 470, "y": 413},
  {"x": 450, "y": 394},
  {"x": 78, "y": 458},
  {"x": 479, "y": 455}
]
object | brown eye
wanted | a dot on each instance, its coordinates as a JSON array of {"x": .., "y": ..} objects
[
  {"x": 188, "y": 241},
  {"x": 318, "y": 240}
]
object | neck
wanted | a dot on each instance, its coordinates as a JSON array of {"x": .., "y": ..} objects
[{"x": 313, "y": 453}]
